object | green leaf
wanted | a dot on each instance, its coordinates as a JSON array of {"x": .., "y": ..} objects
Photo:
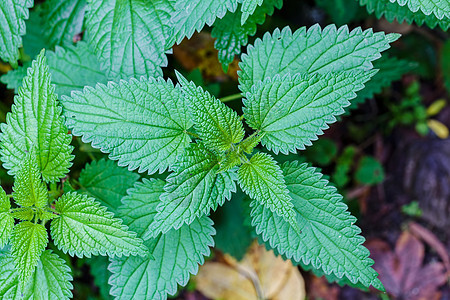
[
  {"x": 36, "y": 122},
  {"x": 63, "y": 20},
  {"x": 73, "y": 68},
  {"x": 370, "y": 171},
  {"x": 51, "y": 280},
  {"x": 12, "y": 26},
  {"x": 85, "y": 228},
  {"x": 99, "y": 270},
  {"x": 390, "y": 69},
  {"x": 311, "y": 51},
  {"x": 261, "y": 178},
  {"x": 106, "y": 182},
  {"x": 393, "y": 11},
  {"x": 6, "y": 220},
  {"x": 192, "y": 15},
  {"x": 28, "y": 241},
  {"x": 440, "y": 8},
  {"x": 233, "y": 235},
  {"x": 248, "y": 8},
  {"x": 192, "y": 190},
  {"x": 177, "y": 253},
  {"x": 13, "y": 79},
  {"x": 216, "y": 124},
  {"x": 28, "y": 187},
  {"x": 329, "y": 240},
  {"x": 142, "y": 123},
  {"x": 232, "y": 35},
  {"x": 128, "y": 36},
  {"x": 33, "y": 42},
  {"x": 293, "y": 111}
]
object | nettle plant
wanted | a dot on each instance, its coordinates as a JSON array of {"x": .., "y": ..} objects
[{"x": 113, "y": 94}]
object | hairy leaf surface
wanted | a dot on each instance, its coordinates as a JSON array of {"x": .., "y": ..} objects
[
  {"x": 177, "y": 253},
  {"x": 29, "y": 190},
  {"x": 85, "y": 228},
  {"x": 261, "y": 178},
  {"x": 393, "y": 11},
  {"x": 74, "y": 67},
  {"x": 192, "y": 190},
  {"x": 106, "y": 182},
  {"x": 329, "y": 240},
  {"x": 216, "y": 124},
  {"x": 28, "y": 241},
  {"x": 192, "y": 15},
  {"x": 12, "y": 26},
  {"x": 9, "y": 278},
  {"x": 63, "y": 20},
  {"x": 6, "y": 220},
  {"x": 311, "y": 51},
  {"x": 248, "y": 8},
  {"x": 36, "y": 122},
  {"x": 440, "y": 8},
  {"x": 127, "y": 36},
  {"x": 142, "y": 124},
  {"x": 231, "y": 35},
  {"x": 293, "y": 111}
]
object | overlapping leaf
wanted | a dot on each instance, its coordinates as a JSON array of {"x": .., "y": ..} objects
[
  {"x": 192, "y": 15},
  {"x": 393, "y": 11},
  {"x": 73, "y": 68},
  {"x": 85, "y": 228},
  {"x": 261, "y": 178},
  {"x": 6, "y": 220},
  {"x": 28, "y": 241},
  {"x": 106, "y": 182},
  {"x": 177, "y": 253},
  {"x": 192, "y": 190},
  {"x": 12, "y": 26},
  {"x": 63, "y": 20},
  {"x": 248, "y": 8},
  {"x": 440, "y": 8},
  {"x": 36, "y": 122},
  {"x": 128, "y": 36},
  {"x": 13, "y": 79},
  {"x": 293, "y": 111},
  {"x": 311, "y": 51},
  {"x": 29, "y": 190},
  {"x": 142, "y": 124},
  {"x": 329, "y": 240},
  {"x": 9, "y": 278},
  {"x": 232, "y": 35},
  {"x": 101, "y": 274},
  {"x": 216, "y": 124}
]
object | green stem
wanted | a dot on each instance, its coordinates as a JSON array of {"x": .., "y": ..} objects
[{"x": 231, "y": 97}]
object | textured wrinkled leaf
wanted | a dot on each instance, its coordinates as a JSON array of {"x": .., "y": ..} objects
[
  {"x": 390, "y": 69},
  {"x": 261, "y": 178},
  {"x": 393, "y": 11},
  {"x": 329, "y": 240},
  {"x": 73, "y": 68},
  {"x": 177, "y": 253},
  {"x": 12, "y": 26},
  {"x": 106, "y": 182},
  {"x": 231, "y": 35},
  {"x": 85, "y": 228},
  {"x": 36, "y": 122},
  {"x": 248, "y": 8},
  {"x": 28, "y": 241},
  {"x": 192, "y": 15},
  {"x": 128, "y": 36},
  {"x": 63, "y": 20},
  {"x": 29, "y": 190},
  {"x": 216, "y": 124},
  {"x": 6, "y": 220},
  {"x": 51, "y": 280},
  {"x": 293, "y": 111},
  {"x": 192, "y": 190},
  {"x": 440, "y": 8},
  {"x": 311, "y": 51},
  {"x": 142, "y": 124}
]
